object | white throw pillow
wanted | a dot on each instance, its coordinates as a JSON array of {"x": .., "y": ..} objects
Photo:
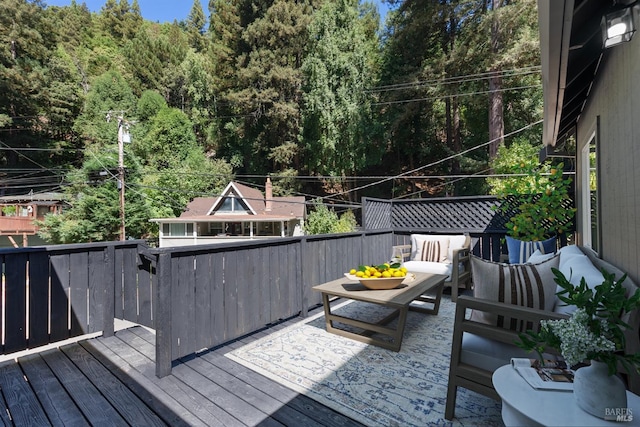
[
  {"x": 458, "y": 241},
  {"x": 538, "y": 256},
  {"x": 574, "y": 268},
  {"x": 417, "y": 246}
]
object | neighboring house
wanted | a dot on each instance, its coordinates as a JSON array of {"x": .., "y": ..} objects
[
  {"x": 592, "y": 97},
  {"x": 239, "y": 213},
  {"x": 17, "y": 215}
]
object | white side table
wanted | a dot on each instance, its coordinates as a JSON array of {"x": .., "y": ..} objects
[{"x": 522, "y": 405}]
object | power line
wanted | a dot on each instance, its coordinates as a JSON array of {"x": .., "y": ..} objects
[
  {"x": 453, "y": 156},
  {"x": 458, "y": 79},
  {"x": 432, "y": 98}
]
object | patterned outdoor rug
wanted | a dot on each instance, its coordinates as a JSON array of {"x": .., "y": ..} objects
[{"x": 368, "y": 383}]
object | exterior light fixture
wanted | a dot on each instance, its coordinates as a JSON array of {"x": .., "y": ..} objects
[{"x": 619, "y": 25}]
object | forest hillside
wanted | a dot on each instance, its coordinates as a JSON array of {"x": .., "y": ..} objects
[{"x": 320, "y": 95}]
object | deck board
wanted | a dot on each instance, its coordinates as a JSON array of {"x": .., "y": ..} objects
[
  {"x": 60, "y": 408},
  {"x": 155, "y": 396},
  {"x": 112, "y": 381},
  {"x": 22, "y": 403},
  {"x": 128, "y": 405},
  {"x": 95, "y": 407}
]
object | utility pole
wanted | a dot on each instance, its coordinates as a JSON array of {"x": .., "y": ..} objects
[{"x": 121, "y": 174}]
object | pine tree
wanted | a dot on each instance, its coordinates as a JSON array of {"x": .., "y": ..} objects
[
  {"x": 337, "y": 111},
  {"x": 196, "y": 22}
]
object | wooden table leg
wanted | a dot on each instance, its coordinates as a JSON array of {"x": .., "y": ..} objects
[{"x": 433, "y": 299}]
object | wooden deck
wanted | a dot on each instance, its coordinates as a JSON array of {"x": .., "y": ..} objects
[{"x": 111, "y": 381}]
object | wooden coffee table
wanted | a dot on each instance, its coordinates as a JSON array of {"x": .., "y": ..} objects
[{"x": 399, "y": 299}]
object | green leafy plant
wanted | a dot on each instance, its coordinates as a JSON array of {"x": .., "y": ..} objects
[
  {"x": 323, "y": 220},
  {"x": 9, "y": 210},
  {"x": 595, "y": 331},
  {"x": 539, "y": 209}
]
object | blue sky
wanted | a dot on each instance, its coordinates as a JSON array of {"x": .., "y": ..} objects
[{"x": 165, "y": 10}]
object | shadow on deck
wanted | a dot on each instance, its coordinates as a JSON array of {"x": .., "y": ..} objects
[{"x": 112, "y": 381}]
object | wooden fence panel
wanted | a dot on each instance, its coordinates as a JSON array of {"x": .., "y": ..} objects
[
  {"x": 78, "y": 290},
  {"x": 247, "y": 287},
  {"x": 262, "y": 294},
  {"x": 184, "y": 312},
  {"x": 146, "y": 292},
  {"x": 59, "y": 316},
  {"x": 129, "y": 270},
  {"x": 202, "y": 324},
  {"x": 56, "y": 292},
  {"x": 99, "y": 280},
  {"x": 230, "y": 295},
  {"x": 118, "y": 285},
  {"x": 38, "y": 299},
  {"x": 15, "y": 289},
  {"x": 218, "y": 314}
]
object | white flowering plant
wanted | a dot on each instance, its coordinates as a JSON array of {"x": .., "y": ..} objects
[{"x": 595, "y": 331}]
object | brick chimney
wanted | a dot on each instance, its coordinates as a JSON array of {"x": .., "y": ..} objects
[{"x": 268, "y": 196}]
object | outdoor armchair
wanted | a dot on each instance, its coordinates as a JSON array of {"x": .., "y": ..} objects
[
  {"x": 451, "y": 258},
  {"x": 478, "y": 349}
]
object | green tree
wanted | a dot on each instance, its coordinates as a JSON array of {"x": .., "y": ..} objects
[
  {"x": 176, "y": 167},
  {"x": 27, "y": 42},
  {"x": 110, "y": 96},
  {"x": 120, "y": 20},
  {"x": 514, "y": 165},
  {"x": 64, "y": 94},
  {"x": 266, "y": 95},
  {"x": 534, "y": 196},
  {"x": 196, "y": 23},
  {"x": 149, "y": 104},
  {"x": 199, "y": 96},
  {"x": 94, "y": 211},
  {"x": 411, "y": 117},
  {"x": 337, "y": 113},
  {"x": 322, "y": 220}
]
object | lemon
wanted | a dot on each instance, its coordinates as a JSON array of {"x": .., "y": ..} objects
[{"x": 352, "y": 271}]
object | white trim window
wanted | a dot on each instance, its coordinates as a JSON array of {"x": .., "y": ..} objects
[
  {"x": 177, "y": 229},
  {"x": 231, "y": 204},
  {"x": 590, "y": 212}
]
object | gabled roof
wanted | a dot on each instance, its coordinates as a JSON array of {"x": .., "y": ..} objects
[
  {"x": 252, "y": 197},
  {"x": 281, "y": 208}
]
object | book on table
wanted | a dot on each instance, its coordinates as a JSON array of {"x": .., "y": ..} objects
[{"x": 546, "y": 374}]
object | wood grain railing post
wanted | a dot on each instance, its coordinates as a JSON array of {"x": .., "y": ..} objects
[
  {"x": 109, "y": 290},
  {"x": 163, "y": 316},
  {"x": 304, "y": 280}
]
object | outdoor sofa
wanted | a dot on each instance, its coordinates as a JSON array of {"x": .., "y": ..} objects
[{"x": 479, "y": 348}]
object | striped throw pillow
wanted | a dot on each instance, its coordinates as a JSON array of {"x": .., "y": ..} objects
[
  {"x": 417, "y": 248},
  {"x": 528, "y": 285},
  {"x": 520, "y": 250},
  {"x": 434, "y": 250}
]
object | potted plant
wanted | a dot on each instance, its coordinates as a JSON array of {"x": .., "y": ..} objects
[
  {"x": 534, "y": 199},
  {"x": 594, "y": 333}
]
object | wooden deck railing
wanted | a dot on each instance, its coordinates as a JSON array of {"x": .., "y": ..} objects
[
  {"x": 58, "y": 292},
  {"x": 194, "y": 297},
  {"x": 211, "y": 294}
]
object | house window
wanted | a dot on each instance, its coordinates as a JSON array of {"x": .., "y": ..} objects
[
  {"x": 177, "y": 229},
  {"x": 216, "y": 228},
  {"x": 590, "y": 212},
  {"x": 233, "y": 204}
]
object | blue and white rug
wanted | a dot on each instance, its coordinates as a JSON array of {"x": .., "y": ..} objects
[{"x": 375, "y": 386}]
